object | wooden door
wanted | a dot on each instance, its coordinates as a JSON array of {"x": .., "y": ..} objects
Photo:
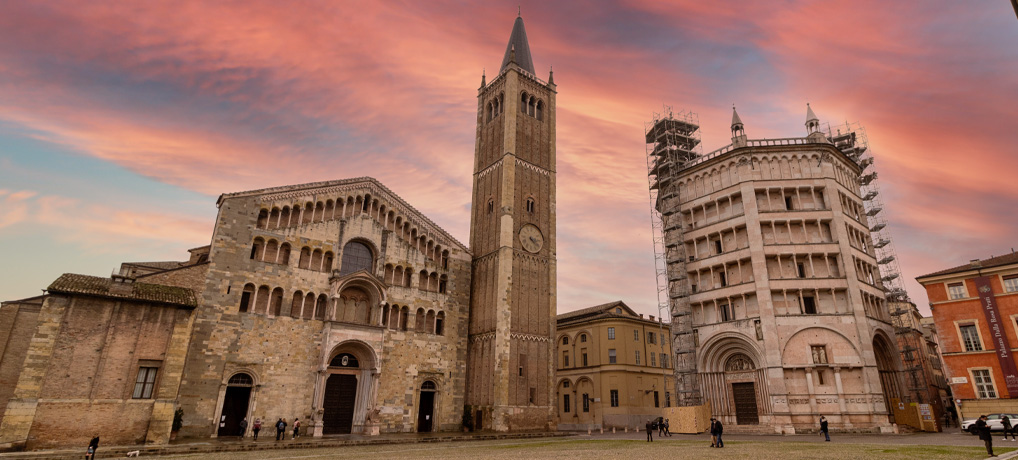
[
  {"x": 340, "y": 397},
  {"x": 745, "y": 403},
  {"x": 426, "y": 412},
  {"x": 234, "y": 410}
]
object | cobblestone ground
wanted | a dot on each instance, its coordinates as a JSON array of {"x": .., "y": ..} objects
[{"x": 576, "y": 449}]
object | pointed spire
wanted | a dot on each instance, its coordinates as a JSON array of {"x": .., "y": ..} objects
[
  {"x": 736, "y": 121},
  {"x": 483, "y": 83},
  {"x": 812, "y": 122},
  {"x": 518, "y": 50},
  {"x": 551, "y": 76},
  {"x": 810, "y": 116}
]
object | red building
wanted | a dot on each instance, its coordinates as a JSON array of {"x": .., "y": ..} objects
[{"x": 975, "y": 310}]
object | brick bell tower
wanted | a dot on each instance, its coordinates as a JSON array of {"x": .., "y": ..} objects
[{"x": 510, "y": 362}]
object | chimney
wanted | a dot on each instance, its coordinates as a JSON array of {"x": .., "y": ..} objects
[
  {"x": 652, "y": 317},
  {"x": 975, "y": 263},
  {"x": 641, "y": 315},
  {"x": 121, "y": 285}
]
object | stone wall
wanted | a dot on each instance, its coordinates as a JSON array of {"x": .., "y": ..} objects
[{"x": 18, "y": 321}]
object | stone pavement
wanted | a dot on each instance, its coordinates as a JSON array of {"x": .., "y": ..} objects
[{"x": 187, "y": 446}]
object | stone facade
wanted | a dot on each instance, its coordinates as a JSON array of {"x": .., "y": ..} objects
[
  {"x": 512, "y": 237},
  {"x": 784, "y": 297},
  {"x": 613, "y": 368}
]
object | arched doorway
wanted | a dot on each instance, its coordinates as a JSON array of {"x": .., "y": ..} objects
[
  {"x": 235, "y": 402},
  {"x": 743, "y": 393},
  {"x": 340, "y": 395},
  {"x": 887, "y": 369},
  {"x": 426, "y": 408}
]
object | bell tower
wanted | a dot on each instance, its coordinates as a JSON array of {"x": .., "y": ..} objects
[{"x": 510, "y": 360}]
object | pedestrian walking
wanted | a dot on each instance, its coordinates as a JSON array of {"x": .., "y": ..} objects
[
  {"x": 280, "y": 429},
  {"x": 717, "y": 430},
  {"x": 1006, "y": 422},
  {"x": 984, "y": 433},
  {"x": 713, "y": 436},
  {"x": 667, "y": 433},
  {"x": 661, "y": 428},
  {"x": 257, "y": 427},
  {"x": 93, "y": 446},
  {"x": 296, "y": 428},
  {"x": 243, "y": 427},
  {"x": 823, "y": 428},
  {"x": 947, "y": 419},
  {"x": 650, "y": 431}
]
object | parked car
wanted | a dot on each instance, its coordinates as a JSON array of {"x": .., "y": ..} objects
[{"x": 993, "y": 420}]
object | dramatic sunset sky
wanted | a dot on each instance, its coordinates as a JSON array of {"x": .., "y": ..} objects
[{"x": 120, "y": 124}]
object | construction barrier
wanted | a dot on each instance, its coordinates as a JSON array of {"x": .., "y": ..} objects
[{"x": 688, "y": 420}]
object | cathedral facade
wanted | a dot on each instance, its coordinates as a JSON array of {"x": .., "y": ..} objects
[{"x": 335, "y": 303}]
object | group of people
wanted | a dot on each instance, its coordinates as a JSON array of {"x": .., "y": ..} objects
[
  {"x": 983, "y": 430},
  {"x": 661, "y": 427},
  {"x": 280, "y": 428}
]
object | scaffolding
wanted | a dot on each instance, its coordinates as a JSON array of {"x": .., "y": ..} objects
[
  {"x": 673, "y": 142},
  {"x": 851, "y": 139}
]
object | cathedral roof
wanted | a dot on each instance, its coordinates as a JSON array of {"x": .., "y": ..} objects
[
  {"x": 71, "y": 283},
  {"x": 518, "y": 43},
  {"x": 313, "y": 188},
  {"x": 604, "y": 310}
]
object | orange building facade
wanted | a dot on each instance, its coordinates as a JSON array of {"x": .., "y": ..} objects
[{"x": 975, "y": 311}]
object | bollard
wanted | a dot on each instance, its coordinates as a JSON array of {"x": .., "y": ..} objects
[
  {"x": 588, "y": 431},
  {"x": 602, "y": 430},
  {"x": 613, "y": 430}
]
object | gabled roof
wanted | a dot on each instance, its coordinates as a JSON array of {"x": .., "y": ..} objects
[
  {"x": 598, "y": 311},
  {"x": 395, "y": 199},
  {"x": 996, "y": 261},
  {"x": 71, "y": 283},
  {"x": 518, "y": 43}
]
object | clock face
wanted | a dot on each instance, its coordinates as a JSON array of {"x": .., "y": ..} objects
[{"x": 531, "y": 238}]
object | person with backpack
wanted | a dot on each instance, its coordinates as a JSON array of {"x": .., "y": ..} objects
[
  {"x": 296, "y": 428},
  {"x": 280, "y": 429},
  {"x": 1006, "y": 422},
  {"x": 93, "y": 446},
  {"x": 257, "y": 427}
]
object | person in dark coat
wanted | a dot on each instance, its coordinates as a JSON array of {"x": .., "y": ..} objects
[
  {"x": 667, "y": 432},
  {"x": 1006, "y": 422},
  {"x": 713, "y": 436},
  {"x": 650, "y": 431},
  {"x": 984, "y": 433},
  {"x": 280, "y": 429},
  {"x": 243, "y": 427},
  {"x": 93, "y": 446},
  {"x": 716, "y": 430},
  {"x": 823, "y": 428}
]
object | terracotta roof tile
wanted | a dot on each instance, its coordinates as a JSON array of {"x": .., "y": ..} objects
[
  {"x": 996, "y": 261},
  {"x": 71, "y": 283}
]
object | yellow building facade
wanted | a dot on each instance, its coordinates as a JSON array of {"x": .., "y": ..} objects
[{"x": 613, "y": 368}]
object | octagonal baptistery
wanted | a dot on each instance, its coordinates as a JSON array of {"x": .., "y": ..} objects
[
  {"x": 333, "y": 303},
  {"x": 784, "y": 295}
]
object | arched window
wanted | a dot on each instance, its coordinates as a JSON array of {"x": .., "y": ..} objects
[
  {"x": 523, "y": 103},
  {"x": 316, "y": 260},
  {"x": 490, "y": 112},
  {"x": 273, "y": 218},
  {"x": 320, "y": 307},
  {"x": 284, "y": 217},
  {"x": 491, "y": 206},
  {"x": 276, "y": 305},
  {"x": 422, "y": 281},
  {"x": 530, "y": 205},
  {"x": 240, "y": 380},
  {"x": 263, "y": 218},
  {"x": 419, "y": 318},
  {"x": 257, "y": 248},
  {"x": 246, "y": 297},
  {"x": 404, "y": 314},
  {"x": 308, "y": 310},
  {"x": 428, "y": 385},
  {"x": 430, "y": 322},
  {"x": 261, "y": 300},
  {"x": 298, "y": 299},
  {"x": 305, "y": 257},
  {"x": 531, "y": 109},
  {"x": 356, "y": 256},
  {"x": 443, "y": 284},
  {"x": 271, "y": 251},
  {"x": 309, "y": 211},
  {"x": 540, "y": 110},
  {"x": 284, "y": 254},
  {"x": 440, "y": 323}
]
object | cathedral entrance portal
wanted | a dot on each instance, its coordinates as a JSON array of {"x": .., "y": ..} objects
[
  {"x": 340, "y": 395},
  {"x": 235, "y": 402},
  {"x": 426, "y": 410},
  {"x": 744, "y": 395}
]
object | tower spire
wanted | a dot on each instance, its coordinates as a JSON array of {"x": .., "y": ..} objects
[
  {"x": 738, "y": 130},
  {"x": 812, "y": 122},
  {"x": 518, "y": 43}
]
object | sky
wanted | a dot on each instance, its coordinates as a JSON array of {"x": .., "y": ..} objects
[{"x": 120, "y": 123}]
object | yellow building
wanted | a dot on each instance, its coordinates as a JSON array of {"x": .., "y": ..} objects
[{"x": 613, "y": 368}]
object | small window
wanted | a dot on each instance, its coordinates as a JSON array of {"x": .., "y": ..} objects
[
  {"x": 614, "y": 398},
  {"x": 970, "y": 337},
  {"x": 984, "y": 384},
  {"x": 533, "y": 395},
  {"x": 428, "y": 385},
  {"x": 530, "y": 205},
  {"x": 523, "y": 364},
  {"x": 583, "y": 337},
  {"x": 657, "y": 400},
  {"x": 809, "y": 305},
  {"x": 788, "y": 203},
  {"x": 717, "y": 246},
  {"x": 653, "y": 359},
  {"x": 586, "y": 402},
  {"x": 565, "y": 340},
  {"x": 636, "y": 335},
  {"x": 650, "y": 337},
  {"x": 491, "y": 206},
  {"x": 565, "y": 403},
  {"x": 145, "y": 383},
  {"x": 668, "y": 399},
  {"x": 618, "y": 311},
  {"x": 611, "y": 333},
  {"x": 584, "y": 356},
  {"x": 565, "y": 359},
  {"x": 1011, "y": 283},
  {"x": 565, "y": 384},
  {"x": 802, "y": 270},
  {"x": 611, "y": 356},
  {"x": 820, "y": 377},
  {"x": 637, "y": 357},
  {"x": 819, "y": 354},
  {"x": 726, "y": 312},
  {"x": 956, "y": 291}
]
